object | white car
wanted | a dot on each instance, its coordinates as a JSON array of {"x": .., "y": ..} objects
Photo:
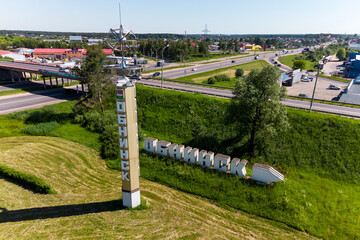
[
  {"x": 65, "y": 70},
  {"x": 194, "y": 69}
]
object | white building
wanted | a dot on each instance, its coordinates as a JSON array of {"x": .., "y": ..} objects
[{"x": 75, "y": 39}]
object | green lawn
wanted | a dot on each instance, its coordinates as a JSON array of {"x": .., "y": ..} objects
[
  {"x": 289, "y": 61},
  {"x": 334, "y": 78},
  {"x": 318, "y": 156},
  {"x": 230, "y": 71}
]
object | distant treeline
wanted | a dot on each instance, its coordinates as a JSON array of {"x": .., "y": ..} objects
[{"x": 166, "y": 35}]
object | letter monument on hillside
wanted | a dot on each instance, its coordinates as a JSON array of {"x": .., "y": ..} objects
[{"x": 128, "y": 140}]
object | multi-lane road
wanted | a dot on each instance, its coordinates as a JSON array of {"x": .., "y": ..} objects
[{"x": 19, "y": 102}]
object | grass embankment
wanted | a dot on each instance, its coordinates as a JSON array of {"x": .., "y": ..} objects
[
  {"x": 318, "y": 156},
  {"x": 289, "y": 61},
  {"x": 335, "y": 78},
  {"x": 169, "y": 68},
  {"x": 89, "y": 194},
  {"x": 213, "y": 55},
  {"x": 229, "y": 71}
]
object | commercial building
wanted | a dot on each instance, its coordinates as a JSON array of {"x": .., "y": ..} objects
[
  {"x": 352, "y": 65},
  {"x": 62, "y": 53},
  {"x": 15, "y": 56},
  {"x": 354, "y": 46},
  {"x": 75, "y": 39}
]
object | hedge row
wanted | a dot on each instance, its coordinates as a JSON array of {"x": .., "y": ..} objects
[{"x": 29, "y": 181}]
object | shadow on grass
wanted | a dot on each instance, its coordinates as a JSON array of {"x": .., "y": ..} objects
[{"x": 59, "y": 211}]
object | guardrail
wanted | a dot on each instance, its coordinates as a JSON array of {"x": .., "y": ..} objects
[{"x": 191, "y": 83}]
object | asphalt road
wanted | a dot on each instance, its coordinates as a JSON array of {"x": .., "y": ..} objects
[
  {"x": 176, "y": 73},
  {"x": 19, "y": 102},
  {"x": 320, "y": 107}
]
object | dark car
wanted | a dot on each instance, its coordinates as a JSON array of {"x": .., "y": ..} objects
[
  {"x": 233, "y": 61},
  {"x": 333, "y": 87},
  {"x": 136, "y": 76},
  {"x": 275, "y": 54},
  {"x": 275, "y": 62},
  {"x": 279, "y": 65},
  {"x": 156, "y": 74},
  {"x": 303, "y": 95}
]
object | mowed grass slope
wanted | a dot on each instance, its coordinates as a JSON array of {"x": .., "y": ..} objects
[{"x": 88, "y": 204}]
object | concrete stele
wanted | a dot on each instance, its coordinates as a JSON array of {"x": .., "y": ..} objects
[
  {"x": 150, "y": 144},
  {"x": 238, "y": 167},
  {"x": 221, "y": 162},
  {"x": 163, "y": 148},
  {"x": 206, "y": 158},
  {"x": 176, "y": 151},
  {"x": 191, "y": 154},
  {"x": 266, "y": 174}
]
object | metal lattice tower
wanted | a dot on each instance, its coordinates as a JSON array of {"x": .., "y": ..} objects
[{"x": 206, "y": 31}]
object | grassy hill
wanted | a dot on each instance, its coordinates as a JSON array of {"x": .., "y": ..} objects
[
  {"x": 88, "y": 201},
  {"x": 289, "y": 61}
]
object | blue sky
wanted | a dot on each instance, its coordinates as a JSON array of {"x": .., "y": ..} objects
[{"x": 176, "y": 16}]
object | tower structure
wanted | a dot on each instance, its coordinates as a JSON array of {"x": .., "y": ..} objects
[
  {"x": 128, "y": 140},
  {"x": 206, "y": 31}
]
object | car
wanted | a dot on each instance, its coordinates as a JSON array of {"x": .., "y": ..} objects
[
  {"x": 136, "y": 76},
  {"x": 275, "y": 54},
  {"x": 333, "y": 87},
  {"x": 303, "y": 95},
  {"x": 275, "y": 62},
  {"x": 311, "y": 78},
  {"x": 311, "y": 70},
  {"x": 233, "y": 61},
  {"x": 272, "y": 60},
  {"x": 65, "y": 70},
  {"x": 194, "y": 69},
  {"x": 156, "y": 74},
  {"x": 279, "y": 65},
  {"x": 305, "y": 80}
]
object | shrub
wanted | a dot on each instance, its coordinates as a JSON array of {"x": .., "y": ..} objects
[
  {"x": 239, "y": 72},
  {"x": 41, "y": 129},
  {"x": 27, "y": 180},
  {"x": 222, "y": 78},
  {"x": 211, "y": 80},
  {"x": 109, "y": 142}
]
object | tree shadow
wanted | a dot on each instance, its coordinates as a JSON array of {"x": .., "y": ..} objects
[{"x": 58, "y": 211}]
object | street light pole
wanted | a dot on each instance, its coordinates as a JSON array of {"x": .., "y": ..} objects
[
  {"x": 162, "y": 66},
  {"x": 317, "y": 76}
]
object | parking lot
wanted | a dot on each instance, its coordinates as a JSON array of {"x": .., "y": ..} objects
[{"x": 322, "y": 89}]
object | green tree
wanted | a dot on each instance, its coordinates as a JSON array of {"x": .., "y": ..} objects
[
  {"x": 239, "y": 72},
  {"x": 92, "y": 74},
  {"x": 256, "y": 109},
  {"x": 203, "y": 48},
  {"x": 299, "y": 64},
  {"x": 341, "y": 54}
]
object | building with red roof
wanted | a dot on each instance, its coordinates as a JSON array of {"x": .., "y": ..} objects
[{"x": 61, "y": 53}]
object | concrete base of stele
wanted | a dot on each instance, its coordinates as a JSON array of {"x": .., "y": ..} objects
[{"x": 131, "y": 199}]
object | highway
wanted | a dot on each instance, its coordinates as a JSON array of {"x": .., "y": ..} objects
[
  {"x": 27, "y": 67},
  {"x": 200, "y": 68},
  {"x": 223, "y": 93},
  {"x": 19, "y": 102}
]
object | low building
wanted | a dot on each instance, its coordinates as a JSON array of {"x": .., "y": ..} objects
[
  {"x": 15, "y": 56},
  {"x": 62, "y": 53},
  {"x": 352, "y": 65},
  {"x": 75, "y": 39},
  {"x": 93, "y": 41}
]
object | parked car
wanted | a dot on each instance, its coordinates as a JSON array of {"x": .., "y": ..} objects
[
  {"x": 233, "y": 61},
  {"x": 65, "y": 70},
  {"x": 311, "y": 78},
  {"x": 333, "y": 87},
  {"x": 305, "y": 80},
  {"x": 194, "y": 69},
  {"x": 136, "y": 76},
  {"x": 156, "y": 74},
  {"x": 303, "y": 95}
]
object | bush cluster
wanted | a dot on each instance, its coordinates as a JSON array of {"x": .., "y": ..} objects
[
  {"x": 27, "y": 180},
  {"x": 40, "y": 129},
  {"x": 219, "y": 78}
]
